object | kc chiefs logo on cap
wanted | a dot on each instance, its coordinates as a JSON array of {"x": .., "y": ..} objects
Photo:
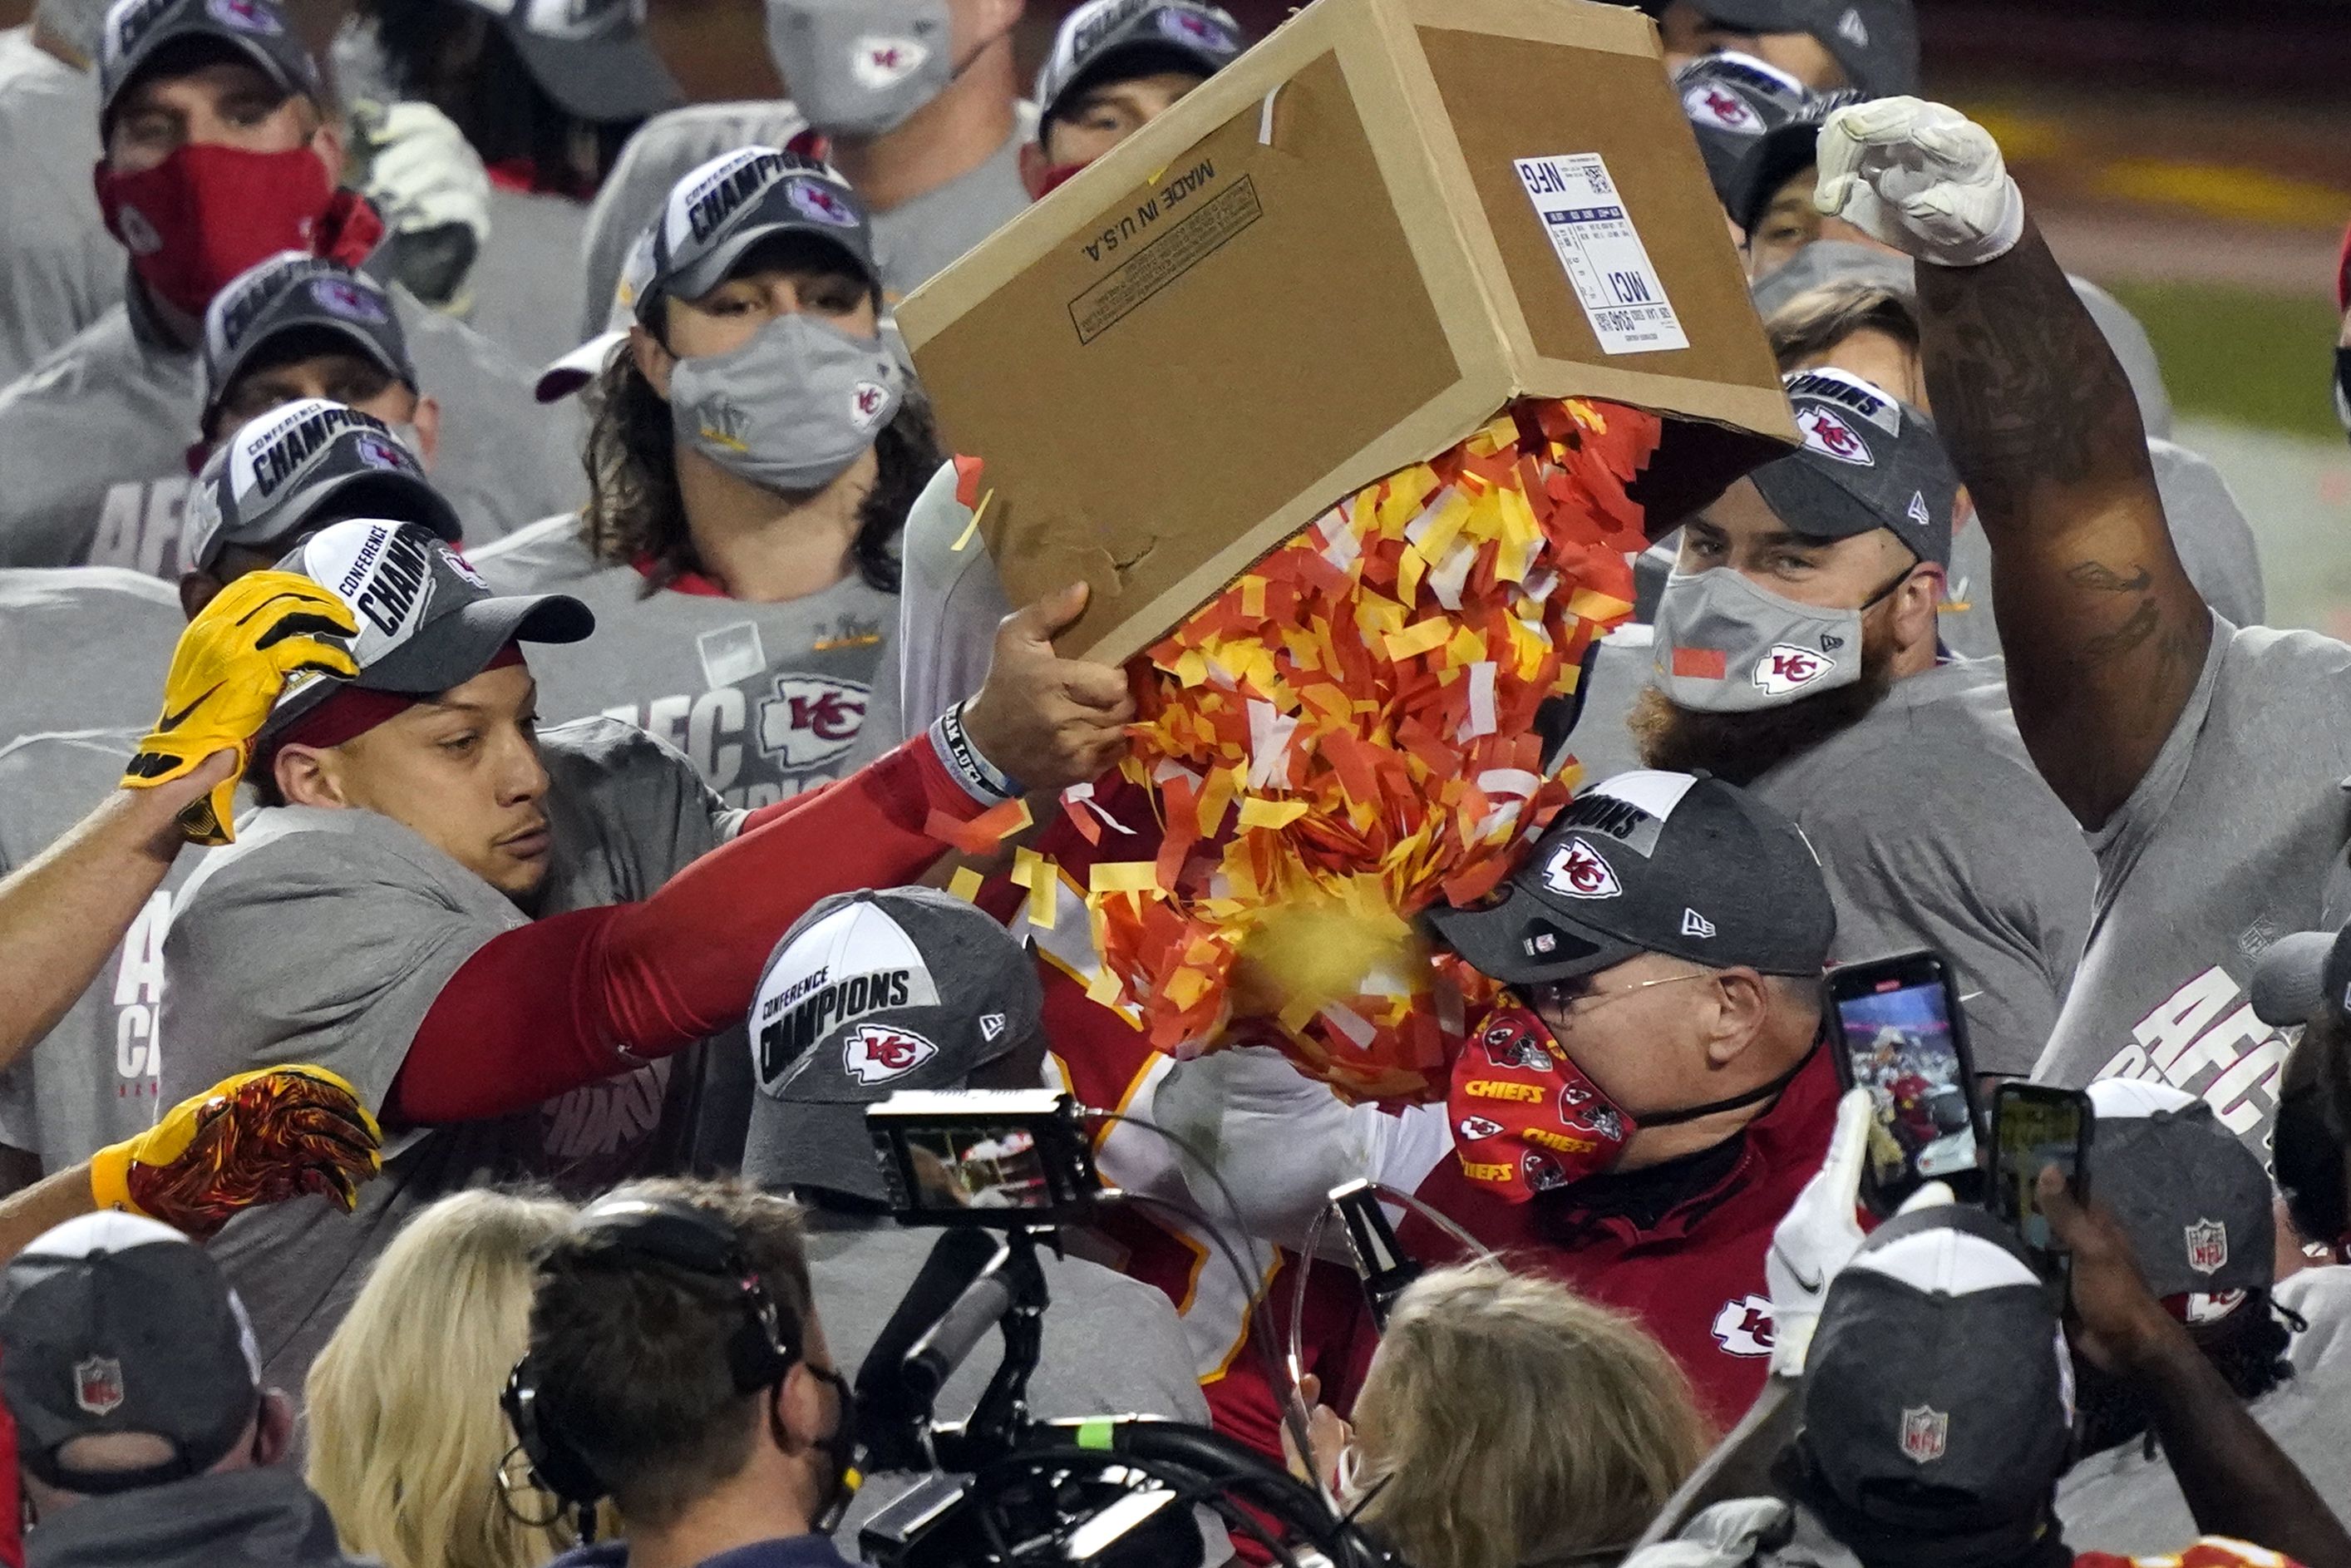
[
  {"x": 1576, "y": 869},
  {"x": 1826, "y": 432},
  {"x": 1722, "y": 109},
  {"x": 819, "y": 204},
  {"x": 876, "y": 1052}
]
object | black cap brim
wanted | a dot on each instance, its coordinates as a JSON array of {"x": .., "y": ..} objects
[
  {"x": 197, "y": 24},
  {"x": 454, "y": 648},
  {"x": 1521, "y": 941},
  {"x": 605, "y": 80},
  {"x": 225, "y": 374},
  {"x": 1772, "y": 160},
  {"x": 824, "y": 1145},
  {"x": 1134, "y": 58},
  {"x": 392, "y": 495}
]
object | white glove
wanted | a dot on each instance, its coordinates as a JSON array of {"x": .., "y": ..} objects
[
  {"x": 1821, "y": 1232},
  {"x": 1921, "y": 177},
  {"x": 423, "y": 173}
]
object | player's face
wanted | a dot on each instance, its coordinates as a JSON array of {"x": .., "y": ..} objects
[
  {"x": 349, "y": 379},
  {"x": 1741, "y": 532},
  {"x": 1641, "y": 1044},
  {"x": 726, "y": 318},
  {"x": 1789, "y": 223},
  {"x": 1687, "y": 33},
  {"x": 223, "y": 104},
  {"x": 1104, "y": 116},
  {"x": 463, "y": 771}
]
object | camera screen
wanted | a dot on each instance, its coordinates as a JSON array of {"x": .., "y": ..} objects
[
  {"x": 2034, "y": 1132},
  {"x": 962, "y": 1168},
  {"x": 1899, "y": 1039}
]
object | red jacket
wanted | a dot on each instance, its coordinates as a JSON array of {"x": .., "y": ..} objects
[{"x": 1695, "y": 1278}]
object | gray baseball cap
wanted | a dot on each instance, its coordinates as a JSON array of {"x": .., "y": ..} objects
[
  {"x": 1651, "y": 862},
  {"x": 2300, "y": 974},
  {"x": 1868, "y": 461},
  {"x": 1732, "y": 102},
  {"x": 591, "y": 56},
  {"x": 867, "y": 994},
  {"x": 301, "y": 467},
  {"x": 722, "y": 208},
  {"x": 1117, "y": 39},
  {"x": 1874, "y": 42},
  {"x": 138, "y": 31},
  {"x": 427, "y": 620},
  {"x": 115, "y": 1323},
  {"x": 1780, "y": 153},
  {"x": 2194, "y": 1201},
  {"x": 291, "y": 292},
  {"x": 1937, "y": 1393}
]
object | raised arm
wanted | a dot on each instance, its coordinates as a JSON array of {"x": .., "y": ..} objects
[{"x": 2104, "y": 633}]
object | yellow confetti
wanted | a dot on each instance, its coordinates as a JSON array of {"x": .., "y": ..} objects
[
  {"x": 1035, "y": 873},
  {"x": 966, "y": 884},
  {"x": 1124, "y": 876},
  {"x": 1260, "y": 812},
  {"x": 1423, "y": 637},
  {"x": 971, "y": 527}
]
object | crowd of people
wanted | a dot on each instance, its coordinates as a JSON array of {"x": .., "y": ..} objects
[{"x": 437, "y": 1046}]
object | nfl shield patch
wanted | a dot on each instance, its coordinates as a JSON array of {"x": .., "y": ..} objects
[
  {"x": 2208, "y": 1246},
  {"x": 98, "y": 1385},
  {"x": 1925, "y": 1430}
]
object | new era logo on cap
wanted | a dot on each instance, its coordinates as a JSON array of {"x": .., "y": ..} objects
[
  {"x": 1696, "y": 924},
  {"x": 1853, "y": 30},
  {"x": 992, "y": 1027}
]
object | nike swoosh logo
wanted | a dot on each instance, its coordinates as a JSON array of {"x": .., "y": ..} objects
[{"x": 172, "y": 721}]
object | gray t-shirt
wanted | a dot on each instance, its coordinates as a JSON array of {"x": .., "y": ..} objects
[
  {"x": 1935, "y": 831},
  {"x": 2234, "y": 837},
  {"x": 94, "y": 1079},
  {"x": 1113, "y": 1345},
  {"x": 912, "y": 241},
  {"x": 95, "y": 441},
  {"x": 526, "y": 286},
  {"x": 2122, "y": 1502},
  {"x": 86, "y": 647},
  {"x": 63, "y": 268},
  {"x": 767, "y": 699},
  {"x": 949, "y": 612},
  {"x": 325, "y": 935},
  {"x": 2215, "y": 542}
]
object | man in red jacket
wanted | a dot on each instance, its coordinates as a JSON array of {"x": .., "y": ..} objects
[{"x": 1640, "y": 1112}]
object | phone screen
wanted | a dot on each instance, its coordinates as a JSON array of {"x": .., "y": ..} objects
[
  {"x": 977, "y": 1167},
  {"x": 2033, "y": 1131},
  {"x": 1900, "y": 1045}
]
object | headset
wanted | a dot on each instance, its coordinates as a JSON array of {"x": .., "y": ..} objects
[{"x": 664, "y": 1233}]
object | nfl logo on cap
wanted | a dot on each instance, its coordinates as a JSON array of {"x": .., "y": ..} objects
[
  {"x": 2208, "y": 1246},
  {"x": 98, "y": 1385},
  {"x": 1924, "y": 1431}
]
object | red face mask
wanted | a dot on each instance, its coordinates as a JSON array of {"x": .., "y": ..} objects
[
  {"x": 206, "y": 214},
  {"x": 1525, "y": 1118},
  {"x": 1055, "y": 178}
]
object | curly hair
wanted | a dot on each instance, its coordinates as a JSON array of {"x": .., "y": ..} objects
[{"x": 636, "y": 512}]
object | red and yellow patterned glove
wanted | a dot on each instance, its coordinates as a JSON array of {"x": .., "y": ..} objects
[{"x": 257, "y": 1138}]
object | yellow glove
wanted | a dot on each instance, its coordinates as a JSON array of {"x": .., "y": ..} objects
[
  {"x": 231, "y": 662},
  {"x": 257, "y": 1138}
]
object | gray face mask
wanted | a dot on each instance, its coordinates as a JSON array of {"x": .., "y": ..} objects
[
  {"x": 860, "y": 68},
  {"x": 1722, "y": 644},
  {"x": 792, "y": 408}
]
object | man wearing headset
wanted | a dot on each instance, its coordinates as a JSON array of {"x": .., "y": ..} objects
[{"x": 677, "y": 1366}]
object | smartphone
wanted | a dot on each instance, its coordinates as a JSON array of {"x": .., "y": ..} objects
[
  {"x": 1896, "y": 1029},
  {"x": 1381, "y": 1264},
  {"x": 2034, "y": 1127},
  {"x": 1010, "y": 1158}
]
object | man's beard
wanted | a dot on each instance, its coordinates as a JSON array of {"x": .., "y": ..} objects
[{"x": 1742, "y": 747}]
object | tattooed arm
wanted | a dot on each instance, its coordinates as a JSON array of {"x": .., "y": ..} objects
[{"x": 2105, "y": 636}]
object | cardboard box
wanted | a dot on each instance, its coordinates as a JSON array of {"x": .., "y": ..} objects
[{"x": 1334, "y": 259}]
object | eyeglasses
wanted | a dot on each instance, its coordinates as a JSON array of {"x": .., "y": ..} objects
[{"x": 1576, "y": 997}]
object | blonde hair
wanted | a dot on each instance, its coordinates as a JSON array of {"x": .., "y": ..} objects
[
  {"x": 407, "y": 1435},
  {"x": 1507, "y": 1420}
]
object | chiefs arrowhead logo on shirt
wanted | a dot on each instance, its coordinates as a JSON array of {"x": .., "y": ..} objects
[
  {"x": 811, "y": 719},
  {"x": 878, "y": 62},
  {"x": 1577, "y": 870},
  {"x": 1743, "y": 1327},
  {"x": 1826, "y": 432},
  {"x": 1787, "y": 666},
  {"x": 876, "y": 1053}
]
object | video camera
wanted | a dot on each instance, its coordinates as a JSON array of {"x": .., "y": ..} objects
[{"x": 1002, "y": 1171}]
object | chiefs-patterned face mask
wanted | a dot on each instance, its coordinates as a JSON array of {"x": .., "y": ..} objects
[{"x": 1525, "y": 1118}]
